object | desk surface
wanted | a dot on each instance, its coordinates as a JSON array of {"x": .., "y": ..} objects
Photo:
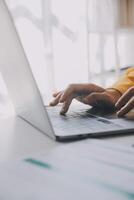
[{"x": 19, "y": 139}]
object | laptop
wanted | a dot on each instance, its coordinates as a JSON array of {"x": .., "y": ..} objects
[{"x": 80, "y": 122}]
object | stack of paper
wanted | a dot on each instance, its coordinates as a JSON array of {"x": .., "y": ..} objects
[{"x": 85, "y": 170}]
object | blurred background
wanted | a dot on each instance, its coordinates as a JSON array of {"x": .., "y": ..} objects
[{"x": 72, "y": 41}]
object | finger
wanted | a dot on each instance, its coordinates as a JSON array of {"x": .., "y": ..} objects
[
  {"x": 80, "y": 89},
  {"x": 125, "y": 98},
  {"x": 56, "y": 100},
  {"x": 66, "y": 106},
  {"x": 125, "y": 109},
  {"x": 56, "y": 93},
  {"x": 71, "y": 91}
]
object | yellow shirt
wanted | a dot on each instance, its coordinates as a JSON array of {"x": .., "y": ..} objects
[{"x": 125, "y": 82}]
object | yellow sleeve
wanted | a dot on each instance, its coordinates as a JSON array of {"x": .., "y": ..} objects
[{"x": 125, "y": 82}]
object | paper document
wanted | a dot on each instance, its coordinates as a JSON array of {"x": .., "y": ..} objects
[{"x": 84, "y": 170}]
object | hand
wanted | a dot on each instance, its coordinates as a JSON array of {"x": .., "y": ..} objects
[
  {"x": 90, "y": 94},
  {"x": 126, "y": 102}
]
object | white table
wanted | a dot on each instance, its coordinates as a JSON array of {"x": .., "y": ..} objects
[{"x": 19, "y": 139}]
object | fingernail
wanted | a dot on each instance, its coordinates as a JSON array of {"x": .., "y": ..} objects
[{"x": 62, "y": 110}]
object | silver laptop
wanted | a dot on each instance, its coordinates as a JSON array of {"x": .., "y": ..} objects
[{"x": 78, "y": 123}]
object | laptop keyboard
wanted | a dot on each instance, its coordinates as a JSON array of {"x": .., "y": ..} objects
[{"x": 78, "y": 122}]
